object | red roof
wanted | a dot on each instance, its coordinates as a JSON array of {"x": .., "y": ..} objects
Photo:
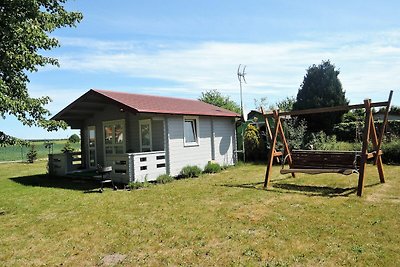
[
  {"x": 93, "y": 100},
  {"x": 166, "y": 105}
]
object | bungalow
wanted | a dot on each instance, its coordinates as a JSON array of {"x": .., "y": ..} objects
[{"x": 143, "y": 136}]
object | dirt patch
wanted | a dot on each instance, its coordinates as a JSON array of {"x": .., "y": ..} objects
[
  {"x": 384, "y": 194},
  {"x": 112, "y": 259}
]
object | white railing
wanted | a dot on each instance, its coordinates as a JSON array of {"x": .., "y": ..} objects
[
  {"x": 129, "y": 167},
  {"x": 147, "y": 166},
  {"x": 121, "y": 167},
  {"x": 64, "y": 163}
]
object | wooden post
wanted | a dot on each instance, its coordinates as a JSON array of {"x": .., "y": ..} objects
[
  {"x": 267, "y": 125},
  {"x": 271, "y": 151},
  {"x": 384, "y": 123},
  {"x": 375, "y": 144},
  {"x": 364, "y": 151}
]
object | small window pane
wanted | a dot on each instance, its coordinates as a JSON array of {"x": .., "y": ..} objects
[
  {"x": 119, "y": 150},
  {"x": 92, "y": 158},
  {"x": 119, "y": 134},
  {"x": 108, "y": 134},
  {"x": 145, "y": 128},
  {"x": 109, "y": 150},
  {"x": 92, "y": 138},
  {"x": 190, "y": 131}
]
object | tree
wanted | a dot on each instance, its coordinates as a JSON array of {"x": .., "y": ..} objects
[
  {"x": 285, "y": 104},
  {"x": 214, "y": 97},
  {"x": 74, "y": 138},
  {"x": 252, "y": 142},
  {"x": 321, "y": 87},
  {"x": 25, "y": 26}
]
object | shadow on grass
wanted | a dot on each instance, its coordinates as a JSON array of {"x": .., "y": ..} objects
[
  {"x": 43, "y": 180},
  {"x": 309, "y": 190}
]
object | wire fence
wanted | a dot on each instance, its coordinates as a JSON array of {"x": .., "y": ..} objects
[{"x": 18, "y": 153}]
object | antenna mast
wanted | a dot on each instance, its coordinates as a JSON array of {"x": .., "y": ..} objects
[{"x": 241, "y": 73}]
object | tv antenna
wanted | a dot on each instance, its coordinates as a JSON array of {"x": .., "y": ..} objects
[{"x": 241, "y": 73}]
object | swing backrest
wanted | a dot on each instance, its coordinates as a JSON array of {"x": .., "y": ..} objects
[{"x": 318, "y": 159}]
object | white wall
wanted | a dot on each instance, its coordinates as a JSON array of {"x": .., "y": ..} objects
[
  {"x": 180, "y": 155},
  {"x": 224, "y": 140}
]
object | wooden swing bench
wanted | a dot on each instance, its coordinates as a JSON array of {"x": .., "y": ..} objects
[{"x": 318, "y": 161}]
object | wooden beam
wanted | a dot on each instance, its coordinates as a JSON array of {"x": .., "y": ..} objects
[
  {"x": 272, "y": 150},
  {"x": 319, "y": 171},
  {"x": 364, "y": 151},
  {"x": 384, "y": 123},
  {"x": 326, "y": 109},
  {"x": 378, "y": 158}
]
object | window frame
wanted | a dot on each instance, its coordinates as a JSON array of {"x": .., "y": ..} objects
[
  {"x": 89, "y": 148},
  {"x": 114, "y": 144},
  {"x": 145, "y": 122},
  {"x": 196, "y": 129}
]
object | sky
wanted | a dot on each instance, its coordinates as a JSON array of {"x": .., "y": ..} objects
[{"x": 182, "y": 48}]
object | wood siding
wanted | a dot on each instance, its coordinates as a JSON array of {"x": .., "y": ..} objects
[
  {"x": 224, "y": 140},
  {"x": 221, "y": 145}
]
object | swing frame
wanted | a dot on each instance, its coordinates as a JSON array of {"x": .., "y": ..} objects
[{"x": 369, "y": 134}]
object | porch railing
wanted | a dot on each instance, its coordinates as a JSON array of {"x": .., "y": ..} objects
[
  {"x": 129, "y": 167},
  {"x": 64, "y": 163},
  {"x": 137, "y": 167}
]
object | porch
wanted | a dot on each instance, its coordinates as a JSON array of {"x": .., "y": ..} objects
[{"x": 126, "y": 168}]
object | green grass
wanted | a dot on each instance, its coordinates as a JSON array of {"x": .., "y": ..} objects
[
  {"x": 14, "y": 153},
  {"x": 219, "y": 219}
]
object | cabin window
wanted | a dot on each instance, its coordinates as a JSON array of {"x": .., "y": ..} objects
[
  {"x": 191, "y": 131},
  {"x": 91, "y": 136},
  {"x": 145, "y": 135},
  {"x": 114, "y": 137}
]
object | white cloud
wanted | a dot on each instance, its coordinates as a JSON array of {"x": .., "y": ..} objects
[{"x": 367, "y": 62}]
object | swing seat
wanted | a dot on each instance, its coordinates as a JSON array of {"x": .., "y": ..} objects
[{"x": 321, "y": 161}]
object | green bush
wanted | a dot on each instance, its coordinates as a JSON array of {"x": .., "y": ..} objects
[
  {"x": 391, "y": 152},
  {"x": 164, "y": 178},
  {"x": 74, "y": 138},
  {"x": 32, "y": 154},
  {"x": 321, "y": 141},
  {"x": 252, "y": 142},
  {"x": 138, "y": 185},
  {"x": 67, "y": 148},
  {"x": 350, "y": 131},
  {"x": 212, "y": 167},
  {"x": 190, "y": 171},
  {"x": 295, "y": 133}
]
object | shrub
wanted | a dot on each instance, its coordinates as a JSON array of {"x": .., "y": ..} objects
[
  {"x": 74, "y": 138},
  {"x": 190, "y": 171},
  {"x": 138, "y": 185},
  {"x": 391, "y": 152},
  {"x": 252, "y": 142},
  {"x": 212, "y": 167},
  {"x": 295, "y": 133},
  {"x": 67, "y": 148},
  {"x": 32, "y": 154},
  {"x": 164, "y": 178}
]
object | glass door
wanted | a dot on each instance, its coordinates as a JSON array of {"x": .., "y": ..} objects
[
  {"x": 114, "y": 140},
  {"x": 92, "y": 147}
]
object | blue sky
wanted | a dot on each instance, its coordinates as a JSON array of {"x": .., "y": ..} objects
[{"x": 181, "y": 48}]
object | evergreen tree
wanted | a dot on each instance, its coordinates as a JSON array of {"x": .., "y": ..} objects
[{"x": 321, "y": 87}]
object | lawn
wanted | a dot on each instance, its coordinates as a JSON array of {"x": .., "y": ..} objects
[{"x": 221, "y": 219}]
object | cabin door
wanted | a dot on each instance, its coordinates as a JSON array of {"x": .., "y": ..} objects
[{"x": 92, "y": 162}]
